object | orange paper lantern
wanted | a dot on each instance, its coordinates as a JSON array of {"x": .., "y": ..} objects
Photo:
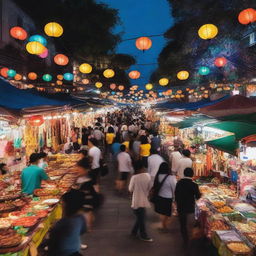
[
  {"x": 143, "y": 43},
  {"x": 112, "y": 86},
  {"x": 18, "y": 77},
  {"x": 4, "y": 71},
  {"x": 37, "y": 120},
  {"x": 18, "y": 33},
  {"x": 247, "y": 16},
  {"x": 61, "y": 59},
  {"x": 32, "y": 76},
  {"x": 121, "y": 87},
  {"x": 220, "y": 62},
  {"x": 134, "y": 74},
  {"x": 85, "y": 81}
]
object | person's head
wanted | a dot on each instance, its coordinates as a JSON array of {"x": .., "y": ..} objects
[
  {"x": 186, "y": 152},
  {"x": 83, "y": 153},
  {"x": 188, "y": 172},
  {"x": 138, "y": 167},
  {"x": 3, "y": 168},
  {"x": 43, "y": 156},
  {"x": 122, "y": 148},
  {"x": 96, "y": 128},
  {"x": 84, "y": 164},
  {"x": 155, "y": 134},
  {"x": 92, "y": 142},
  {"x": 144, "y": 139},
  {"x": 153, "y": 151},
  {"x": 164, "y": 168},
  {"x": 34, "y": 158},
  {"x": 72, "y": 202},
  {"x": 111, "y": 129}
]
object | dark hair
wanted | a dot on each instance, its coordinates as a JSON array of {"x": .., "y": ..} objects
[
  {"x": 138, "y": 165},
  {"x": 84, "y": 152},
  {"x": 34, "y": 157},
  {"x": 163, "y": 169},
  {"x": 93, "y": 141},
  {"x": 144, "y": 139},
  {"x": 117, "y": 139},
  {"x": 84, "y": 163},
  {"x": 186, "y": 152},
  {"x": 111, "y": 129},
  {"x": 153, "y": 151},
  {"x": 42, "y": 155},
  {"x": 2, "y": 171},
  {"x": 122, "y": 148},
  {"x": 188, "y": 172},
  {"x": 74, "y": 200}
]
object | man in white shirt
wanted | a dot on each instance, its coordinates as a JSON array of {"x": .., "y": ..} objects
[
  {"x": 124, "y": 167},
  {"x": 139, "y": 187},
  {"x": 154, "y": 162},
  {"x": 95, "y": 154},
  {"x": 183, "y": 163},
  {"x": 174, "y": 159}
]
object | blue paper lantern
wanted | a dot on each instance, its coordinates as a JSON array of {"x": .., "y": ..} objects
[
  {"x": 68, "y": 76},
  {"x": 11, "y": 73},
  {"x": 38, "y": 38},
  {"x": 47, "y": 77},
  {"x": 113, "y": 93},
  {"x": 204, "y": 71}
]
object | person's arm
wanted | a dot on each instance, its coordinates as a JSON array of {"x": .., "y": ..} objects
[
  {"x": 130, "y": 164},
  {"x": 197, "y": 192},
  {"x": 131, "y": 185},
  {"x": 173, "y": 184},
  {"x": 44, "y": 176}
]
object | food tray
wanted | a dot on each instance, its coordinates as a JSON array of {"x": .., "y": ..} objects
[{"x": 249, "y": 253}]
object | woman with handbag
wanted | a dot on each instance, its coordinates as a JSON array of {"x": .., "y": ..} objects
[{"x": 164, "y": 185}]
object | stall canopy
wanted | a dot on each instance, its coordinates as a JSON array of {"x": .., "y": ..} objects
[
  {"x": 13, "y": 98},
  {"x": 190, "y": 105},
  {"x": 227, "y": 144},
  {"x": 194, "y": 120},
  {"x": 232, "y": 106},
  {"x": 240, "y": 118}
]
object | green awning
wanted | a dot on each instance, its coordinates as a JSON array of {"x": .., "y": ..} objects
[
  {"x": 227, "y": 144},
  {"x": 191, "y": 121},
  {"x": 240, "y": 118},
  {"x": 240, "y": 129}
]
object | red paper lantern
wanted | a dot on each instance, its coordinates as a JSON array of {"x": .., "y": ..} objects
[
  {"x": 18, "y": 33},
  {"x": 247, "y": 16},
  {"x": 4, "y": 71},
  {"x": 134, "y": 74},
  {"x": 220, "y": 62},
  {"x": 143, "y": 43},
  {"x": 61, "y": 59},
  {"x": 37, "y": 120},
  {"x": 113, "y": 86}
]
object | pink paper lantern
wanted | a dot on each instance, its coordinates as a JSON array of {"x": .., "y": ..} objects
[{"x": 44, "y": 54}]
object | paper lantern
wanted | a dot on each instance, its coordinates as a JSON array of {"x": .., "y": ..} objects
[
  {"x": 18, "y": 77},
  {"x": 208, "y": 31},
  {"x": 32, "y": 76},
  {"x": 37, "y": 120},
  {"x": 44, "y": 54},
  {"x": 85, "y": 68},
  {"x": 68, "y": 76},
  {"x": 61, "y": 59},
  {"x": 53, "y": 29},
  {"x": 164, "y": 81},
  {"x": 247, "y": 16},
  {"x": 220, "y": 62},
  {"x": 108, "y": 73},
  {"x": 38, "y": 38},
  {"x": 112, "y": 86},
  {"x": 85, "y": 81},
  {"x": 143, "y": 43},
  {"x": 59, "y": 82},
  {"x": 204, "y": 71},
  {"x": 4, "y": 71},
  {"x": 134, "y": 74},
  {"x": 47, "y": 77},
  {"x": 11, "y": 72},
  {"x": 149, "y": 86},
  {"x": 18, "y": 33},
  {"x": 121, "y": 87},
  {"x": 35, "y": 48},
  {"x": 60, "y": 77},
  {"x": 98, "y": 84},
  {"x": 183, "y": 75}
]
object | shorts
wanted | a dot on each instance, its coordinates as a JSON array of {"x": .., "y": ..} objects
[
  {"x": 124, "y": 176},
  {"x": 163, "y": 206},
  {"x": 94, "y": 175}
]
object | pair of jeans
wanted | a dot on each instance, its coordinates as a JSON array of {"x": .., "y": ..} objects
[
  {"x": 139, "y": 225},
  {"x": 187, "y": 221}
]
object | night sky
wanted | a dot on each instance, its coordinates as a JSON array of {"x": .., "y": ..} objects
[{"x": 142, "y": 18}]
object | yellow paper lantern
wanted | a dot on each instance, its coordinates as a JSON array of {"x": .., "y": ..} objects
[
  {"x": 98, "y": 84},
  {"x": 208, "y": 31},
  {"x": 108, "y": 73},
  {"x": 149, "y": 86},
  {"x": 85, "y": 68},
  {"x": 164, "y": 81},
  {"x": 53, "y": 29},
  {"x": 183, "y": 75},
  {"x": 35, "y": 48}
]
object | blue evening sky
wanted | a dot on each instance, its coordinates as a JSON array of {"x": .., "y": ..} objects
[{"x": 142, "y": 18}]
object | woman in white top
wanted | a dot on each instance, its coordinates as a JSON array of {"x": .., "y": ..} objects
[{"x": 165, "y": 184}]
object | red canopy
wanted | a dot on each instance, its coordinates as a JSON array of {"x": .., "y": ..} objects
[{"x": 234, "y": 105}]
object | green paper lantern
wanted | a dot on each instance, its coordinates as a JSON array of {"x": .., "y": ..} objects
[
  {"x": 204, "y": 71},
  {"x": 11, "y": 73},
  {"x": 47, "y": 77}
]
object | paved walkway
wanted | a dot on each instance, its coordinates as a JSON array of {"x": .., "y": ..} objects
[{"x": 114, "y": 220}]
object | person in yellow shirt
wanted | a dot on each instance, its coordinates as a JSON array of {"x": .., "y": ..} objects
[
  {"x": 110, "y": 135},
  {"x": 144, "y": 150}
]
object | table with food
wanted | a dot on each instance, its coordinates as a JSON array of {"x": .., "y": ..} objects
[{"x": 25, "y": 220}]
